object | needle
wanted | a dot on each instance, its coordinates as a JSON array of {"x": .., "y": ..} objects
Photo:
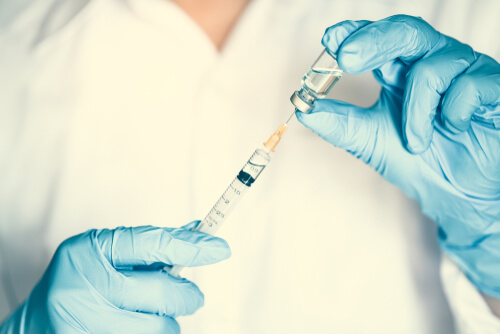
[{"x": 289, "y": 118}]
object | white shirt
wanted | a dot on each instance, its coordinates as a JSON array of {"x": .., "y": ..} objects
[{"x": 122, "y": 112}]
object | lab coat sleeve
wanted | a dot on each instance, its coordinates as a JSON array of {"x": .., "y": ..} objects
[{"x": 470, "y": 311}]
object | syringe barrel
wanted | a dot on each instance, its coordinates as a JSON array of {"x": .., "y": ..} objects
[
  {"x": 233, "y": 194},
  {"x": 223, "y": 207},
  {"x": 230, "y": 198}
]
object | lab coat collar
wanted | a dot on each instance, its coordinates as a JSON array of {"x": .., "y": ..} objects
[{"x": 166, "y": 15}]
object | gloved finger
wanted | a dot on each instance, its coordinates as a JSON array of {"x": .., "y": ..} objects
[
  {"x": 154, "y": 292},
  {"x": 125, "y": 247},
  {"x": 478, "y": 86},
  {"x": 191, "y": 226},
  {"x": 134, "y": 322},
  {"x": 405, "y": 37},
  {"x": 336, "y": 34},
  {"x": 343, "y": 125},
  {"x": 426, "y": 81},
  {"x": 116, "y": 320}
]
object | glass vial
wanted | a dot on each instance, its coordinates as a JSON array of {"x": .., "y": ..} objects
[{"x": 317, "y": 82}]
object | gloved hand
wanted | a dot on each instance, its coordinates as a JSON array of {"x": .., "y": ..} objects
[
  {"x": 93, "y": 284},
  {"x": 434, "y": 132}
]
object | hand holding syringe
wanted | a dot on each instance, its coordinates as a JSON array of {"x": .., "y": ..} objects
[{"x": 316, "y": 83}]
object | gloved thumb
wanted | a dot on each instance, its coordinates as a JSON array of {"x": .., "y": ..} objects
[
  {"x": 191, "y": 226},
  {"x": 343, "y": 125}
]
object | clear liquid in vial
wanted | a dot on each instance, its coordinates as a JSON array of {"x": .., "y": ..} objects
[{"x": 318, "y": 82}]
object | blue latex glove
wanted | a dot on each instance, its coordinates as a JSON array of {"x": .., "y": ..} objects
[
  {"x": 434, "y": 132},
  {"x": 92, "y": 284}
]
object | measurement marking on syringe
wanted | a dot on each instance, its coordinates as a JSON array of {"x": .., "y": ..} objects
[
  {"x": 256, "y": 165},
  {"x": 236, "y": 191}
]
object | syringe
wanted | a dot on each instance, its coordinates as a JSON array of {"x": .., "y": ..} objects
[
  {"x": 316, "y": 83},
  {"x": 240, "y": 185}
]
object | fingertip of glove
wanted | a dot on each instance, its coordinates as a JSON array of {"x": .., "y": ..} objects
[
  {"x": 456, "y": 125},
  {"x": 166, "y": 324},
  {"x": 175, "y": 328},
  {"x": 184, "y": 296},
  {"x": 326, "y": 39},
  {"x": 216, "y": 249},
  {"x": 417, "y": 135},
  {"x": 335, "y": 35},
  {"x": 330, "y": 38},
  {"x": 192, "y": 225},
  {"x": 197, "y": 248},
  {"x": 299, "y": 115},
  {"x": 303, "y": 117},
  {"x": 307, "y": 118},
  {"x": 416, "y": 146},
  {"x": 196, "y": 299},
  {"x": 225, "y": 250}
]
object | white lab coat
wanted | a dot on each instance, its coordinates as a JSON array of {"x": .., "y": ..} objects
[{"x": 121, "y": 112}]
